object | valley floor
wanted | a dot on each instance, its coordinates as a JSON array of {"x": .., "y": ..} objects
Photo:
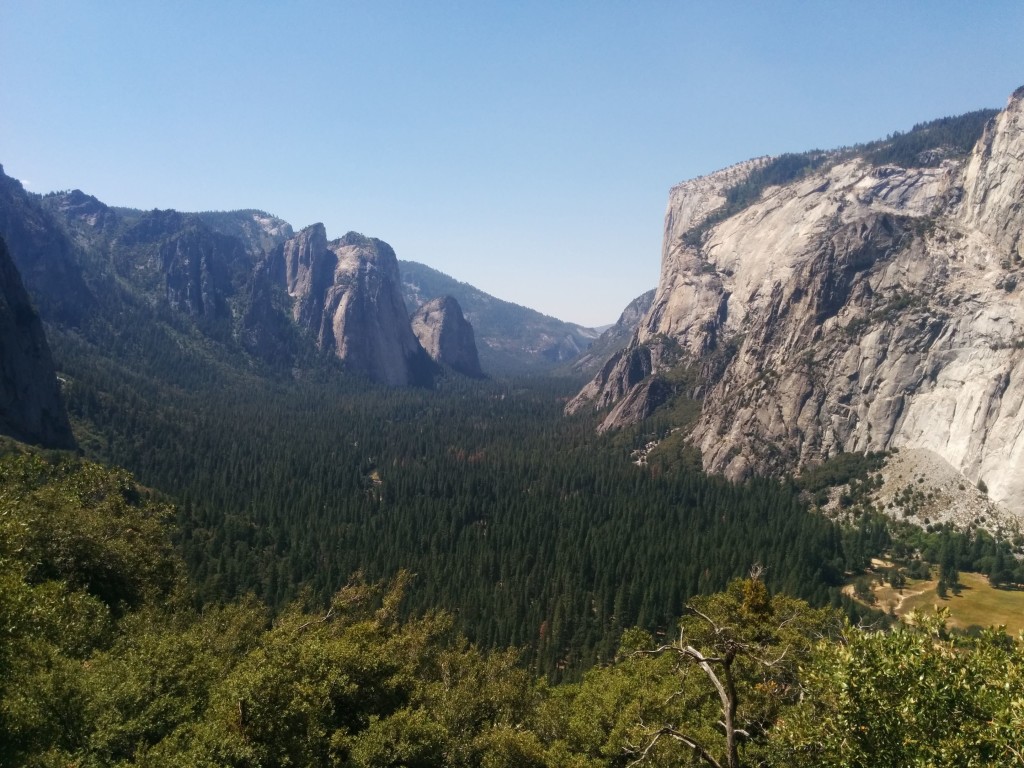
[{"x": 978, "y": 603}]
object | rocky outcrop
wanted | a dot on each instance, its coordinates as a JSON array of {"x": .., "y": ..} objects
[
  {"x": 633, "y": 314},
  {"x": 857, "y": 308},
  {"x": 306, "y": 268},
  {"x": 511, "y": 339},
  {"x": 84, "y": 210},
  {"x": 31, "y": 408},
  {"x": 259, "y": 231},
  {"x": 202, "y": 270},
  {"x": 615, "y": 338},
  {"x": 447, "y": 336},
  {"x": 176, "y": 260},
  {"x": 993, "y": 184},
  {"x": 346, "y": 294},
  {"x": 265, "y": 328},
  {"x": 623, "y": 373}
]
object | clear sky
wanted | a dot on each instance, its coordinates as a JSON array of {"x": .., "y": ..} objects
[{"x": 524, "y": 147}]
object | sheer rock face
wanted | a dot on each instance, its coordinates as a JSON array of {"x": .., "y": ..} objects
[
  {"x": 634, "y": 313},
  {"x": 31, "y": 408},
  {"x": 859, "y": 308},
  {"x": 177, "y": 259},
  {"x": 306, "y": 267},
  {"x": 347, "y": 294},
  {"x": 201, "y": 271},
  {"x": 447, "y": 336},
  {"x": 44, "y": 256}
]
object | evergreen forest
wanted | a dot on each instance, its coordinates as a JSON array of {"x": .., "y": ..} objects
[
  {"x": 530, "y": 529},
  {"x": 108, "y": 661}
]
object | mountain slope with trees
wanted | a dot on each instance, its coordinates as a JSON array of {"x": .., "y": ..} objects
[{"x": 31, "y": 407}]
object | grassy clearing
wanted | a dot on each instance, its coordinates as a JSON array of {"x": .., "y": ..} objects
[{"x": 977, "y": 604}]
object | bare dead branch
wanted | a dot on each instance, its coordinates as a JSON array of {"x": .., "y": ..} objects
[
  {"x": 672, "y": 733},
  {"x": 772, "y": 663},
  {"x": 322, "y": 620}
]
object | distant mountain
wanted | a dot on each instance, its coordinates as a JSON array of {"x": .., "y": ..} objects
[
  {"x": 31, "y": 408},
  {"x": 511, "y": 339},
  {"x": 221, "y": 285},
  {"x": 48, "y": 260},
  {"x": 614, "y": 337},
  {"x": 347, "y": 297},
  {"x": 239, "y": 286}
]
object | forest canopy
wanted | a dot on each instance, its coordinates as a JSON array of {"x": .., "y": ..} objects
[{"x": 108, "y": 661}]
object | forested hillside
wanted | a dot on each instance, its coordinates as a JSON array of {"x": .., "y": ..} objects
[
  {"x": 106, "y": 661},
  {"x": 289, "y": 471}
]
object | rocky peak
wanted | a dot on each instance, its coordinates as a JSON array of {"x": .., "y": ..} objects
[
  {"x": 85, "y": 209},
  {"x": 44, "y": 255},
  {"x": 634, "y": 312},
  {"x": 859, "y": 307},
  {"x": 31, "y": 408},
  {"x": 306, "y": 267},
  {"x": 612, "y": 341},
  {"x": 368, "y": 321},
  {"x": 993, "y": 183},
  {"x": 447, "y": 336},
  {"x": 347, "y": 294}
]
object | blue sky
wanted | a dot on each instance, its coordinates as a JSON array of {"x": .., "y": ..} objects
[{"x": 524, "y": 147}]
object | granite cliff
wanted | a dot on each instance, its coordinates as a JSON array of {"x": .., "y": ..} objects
[
  {"x": 242, "y": 281},
  {"x": 614, "y": 338},
  {"x": 862, "y": 305},
  {"x": 447, "y": 336},
  {"x": 346, "y": 294}
]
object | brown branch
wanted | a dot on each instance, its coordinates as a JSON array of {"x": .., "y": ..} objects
[
  {"x": 1017, "y": 753},
  {"x": 710, "y": 622}
]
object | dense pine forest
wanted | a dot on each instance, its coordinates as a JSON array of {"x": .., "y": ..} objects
[
  {"x": 533, "y": 531},
  {"x": 107, "y": 660},
  {"x": 530, "y": 529}
]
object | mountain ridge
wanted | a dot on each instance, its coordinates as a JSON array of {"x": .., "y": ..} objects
[{"x": 233, "y": 277}]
